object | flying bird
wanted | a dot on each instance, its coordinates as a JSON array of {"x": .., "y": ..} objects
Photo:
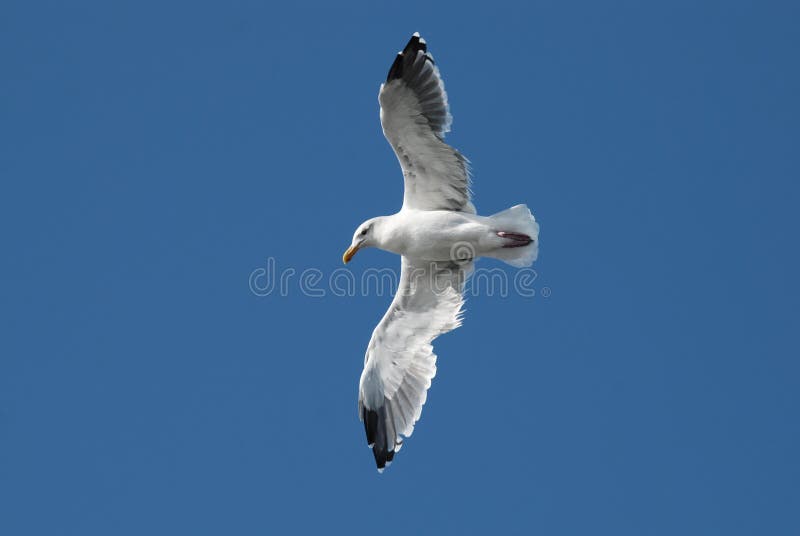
[{"x": 438, "y": 235}]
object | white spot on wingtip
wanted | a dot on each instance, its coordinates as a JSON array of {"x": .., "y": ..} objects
[
  {"x": 380, "y": 470},
  {"x": 416, "y": 34},
  {"x": 370, "y": 445}
]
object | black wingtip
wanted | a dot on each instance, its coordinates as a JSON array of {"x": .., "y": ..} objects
[
  {"x": 415, "y": 44},
  {"x": 396, "y": 70},
  {"x": 370, "y": 425},
  {"x": 374, "y": 426}
]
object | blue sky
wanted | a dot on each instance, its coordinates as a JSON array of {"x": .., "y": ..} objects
[{"x": 154, "y": 154}]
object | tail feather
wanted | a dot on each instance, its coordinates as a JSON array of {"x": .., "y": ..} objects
[{"x": 516, "y": 221}]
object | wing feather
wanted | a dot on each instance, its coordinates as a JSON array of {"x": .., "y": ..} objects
[
  {"x": 415, "y": 116},
  {"x": 399, "y": 363}
]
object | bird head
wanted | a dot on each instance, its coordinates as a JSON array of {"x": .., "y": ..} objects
[{"x": 363, "y": 237}]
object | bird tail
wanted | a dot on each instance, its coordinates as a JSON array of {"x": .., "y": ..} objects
[{"x": 519, "y": 234}]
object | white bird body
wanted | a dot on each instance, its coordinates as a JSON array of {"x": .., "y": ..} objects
[
  {"x": 438, "y": 235},
  {"x": 441, "y": 235}
]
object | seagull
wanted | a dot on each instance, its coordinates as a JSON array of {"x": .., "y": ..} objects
[{"x": 438, "y": 235}]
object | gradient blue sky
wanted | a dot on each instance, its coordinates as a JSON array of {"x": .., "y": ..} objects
[{"x": 154, "y": 154}]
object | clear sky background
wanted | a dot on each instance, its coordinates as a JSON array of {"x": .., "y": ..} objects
[{"x": 152, "y": 155}]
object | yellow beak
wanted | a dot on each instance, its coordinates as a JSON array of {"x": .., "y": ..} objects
[{"x": 349, "y": 254}]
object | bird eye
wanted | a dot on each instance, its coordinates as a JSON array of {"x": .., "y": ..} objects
[{"x": 363, "y": 232}]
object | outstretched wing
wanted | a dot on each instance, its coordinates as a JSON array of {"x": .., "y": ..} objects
[
  {"x": 415, "y": 117},
  {"x": 400, "y": 362}
]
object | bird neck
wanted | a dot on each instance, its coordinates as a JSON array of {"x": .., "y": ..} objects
[{"x": 385, "y": 233}]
